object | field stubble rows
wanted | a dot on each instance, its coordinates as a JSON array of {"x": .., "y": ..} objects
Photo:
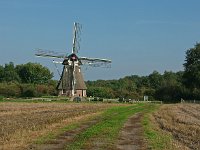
[
  {"x": 21, "y": 123},
  {"x": 182, "y": 122}
]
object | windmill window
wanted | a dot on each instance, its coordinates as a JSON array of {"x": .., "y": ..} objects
[
  {"x": 79, "y": 70},
  {"x": 64, "y": 91},
  {"x": 66, "y": 69}
]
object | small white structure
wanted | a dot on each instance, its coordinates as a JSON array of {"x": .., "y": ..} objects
[{"x": 146, "y": 98}]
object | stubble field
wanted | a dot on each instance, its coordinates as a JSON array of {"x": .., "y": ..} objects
[
  {"x": 21, "y": 123},
  {"x": 181, "y": 122},
  {"x": 98, "y": 125}
]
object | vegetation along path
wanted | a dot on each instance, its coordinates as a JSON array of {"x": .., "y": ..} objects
[
  {"x": 119, "y": 127},
  {"x": 73, "y": 126},
  {"x": 131, "y": 136}
]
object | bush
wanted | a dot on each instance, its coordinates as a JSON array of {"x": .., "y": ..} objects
[
  {"x": 45, "y": 90},
  {"x": 10, "y": 90},
  {"x": 170, "y": 94},
  {"x": 95, "y": 99},
  {"x": 1, "y": 98},
  {"x": 100, "y": 100},
  {"x": 196, "y": 94},
  {"x": 121, "y": 99},
  {"x": 28, "y": 91}
]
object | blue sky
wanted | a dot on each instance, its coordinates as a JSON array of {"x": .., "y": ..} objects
[{"x": 139, "y": 36}]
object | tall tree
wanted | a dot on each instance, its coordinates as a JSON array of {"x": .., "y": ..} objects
[
  {"x": 1, "y": 73},
  {"x": 34, "y": 73},
  {"x": 9, "y": 73},
  {"x": 170, "y": 79},
  {"x": 155, "y": 79},
  {"x": 192, "y": 67}
]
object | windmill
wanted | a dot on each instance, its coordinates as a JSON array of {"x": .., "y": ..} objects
[{"x": 71, "y": 81}]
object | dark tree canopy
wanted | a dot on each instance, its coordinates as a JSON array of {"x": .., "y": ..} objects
[
  {"x": 26, "y": 80},
  {"x": 8, "y": 73},
  {"x": 1, "y": 73},
  {"x": 156, "y": 86},
  {"x": 34, "y": 73},
  {"x": 155, "y": 79},
  {"x": 25, "y": 73},
  {"x": 192, "y": 67}
]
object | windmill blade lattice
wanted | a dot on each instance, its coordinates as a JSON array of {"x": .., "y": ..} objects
[
  {"x": 95, "y": 62},
  {"x": 76, "y": 38},
  {"x": 50, "y": 54}
]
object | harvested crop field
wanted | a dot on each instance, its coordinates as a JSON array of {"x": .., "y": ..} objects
[
  {"x": 22, "y": 123},
  {"x": 39, "y": 126},
  {"x": 182, "y": 122}
]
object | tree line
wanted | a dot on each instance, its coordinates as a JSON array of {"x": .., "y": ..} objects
[
  {"x": 33, "y": 79},
  {"x": 26, "y": 80},
  {"x": 169, "y": 87}
]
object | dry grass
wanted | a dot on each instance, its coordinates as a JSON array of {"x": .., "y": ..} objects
[
  {"x": 21, "y": 123},
  {"x": 182, "y": 121}
]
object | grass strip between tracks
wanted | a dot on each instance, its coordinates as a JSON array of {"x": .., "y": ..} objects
[
  {"x": 112, "y": 121},
  {"x": 107, "y": 128},
  {"x": 53, "y": 134}
]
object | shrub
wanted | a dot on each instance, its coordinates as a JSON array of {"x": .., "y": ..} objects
[
  {"x": 10, "y": 90},
  {"x": 28, "y": 90},
  {"x": 1, "y": 98}
]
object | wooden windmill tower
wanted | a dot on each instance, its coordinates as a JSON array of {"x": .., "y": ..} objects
[{"x": 71, "y": 81}]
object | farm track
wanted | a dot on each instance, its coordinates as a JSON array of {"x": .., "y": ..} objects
[
  {"x": 131, "y": 136},
  {"x": 64, "y": 139},
  {"x": 21, "y": 124}
]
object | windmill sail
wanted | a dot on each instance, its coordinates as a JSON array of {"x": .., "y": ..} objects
[
  {"x": 50, "y": 54},
  {"x": 76, "y": 38},
  {"x": 95, "y": 62}
]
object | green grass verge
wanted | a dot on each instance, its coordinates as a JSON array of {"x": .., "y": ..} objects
[
  {"x": 54, "y": 134},
  {"x": 157, "y": 140},
  {"x": 109, "y": 126}
]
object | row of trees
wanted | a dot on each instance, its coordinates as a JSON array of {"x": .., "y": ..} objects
[
  {"x": 26, "y": 80},
  {"x": 166, "y": 87},
  {"x": 25, "y": 73},
  {"x": 32, "y": 79},
  {"x": 169, "y": 87},
  {"x": 13, "y": 89}
]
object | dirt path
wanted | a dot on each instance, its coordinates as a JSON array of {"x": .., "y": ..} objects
[
  {"x": 131, "y": 135},
  {"x": 61, "y": 141}
]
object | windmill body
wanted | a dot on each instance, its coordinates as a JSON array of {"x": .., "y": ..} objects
[{"x": 71, "y": 81}]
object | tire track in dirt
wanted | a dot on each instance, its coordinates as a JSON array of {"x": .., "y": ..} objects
[
  {"x": 131, "y": 136},
  {"x": 64, "y": 139}
]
